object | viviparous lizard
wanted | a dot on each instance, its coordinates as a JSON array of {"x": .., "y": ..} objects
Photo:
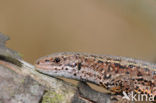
[{"x": 116, "y": 74}]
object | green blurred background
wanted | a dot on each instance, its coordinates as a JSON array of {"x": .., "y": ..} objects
[{"x": 115, "y": 27}]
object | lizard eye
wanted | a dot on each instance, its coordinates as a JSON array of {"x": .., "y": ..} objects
[{"x": 57, "y": 60}]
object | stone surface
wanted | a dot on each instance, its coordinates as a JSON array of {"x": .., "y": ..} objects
[{"x": 16, "y": 88}]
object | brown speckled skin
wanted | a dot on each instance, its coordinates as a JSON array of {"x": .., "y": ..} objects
[{"x": 116, "y": 74}]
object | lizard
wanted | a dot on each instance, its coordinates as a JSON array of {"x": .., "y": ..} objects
[{"x": 114, "y": 73}]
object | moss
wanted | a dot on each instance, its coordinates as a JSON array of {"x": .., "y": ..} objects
[
  {"x": 22, "y": 81},
  {"x": 21, "y": 55},
  {"x": 52, "y": 97}
]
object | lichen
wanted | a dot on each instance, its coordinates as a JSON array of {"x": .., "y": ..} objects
[{"x": 52, "y": 97}]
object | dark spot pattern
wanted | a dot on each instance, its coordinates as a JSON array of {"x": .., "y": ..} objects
[
  {"x": 116, "y": 64},
  {"x": 109, "y": 68},
  {"x": 106, "y": 76},
  {"x": 146, "y": 69},
  {"x": 122, "y": 67},
  {"x": 107, "y": 63},
  {"x": 99, "y": 61},
  {"x": 139, "y": 74},
  {"x": 75, "y": 74},
  {"x": 101, "y": 69},
  {"x": 140, "y": 79},
  {"x": 127, "y": 72},
  {"x": 130, "y": 66},
  {"x": 79, "y": 66}
]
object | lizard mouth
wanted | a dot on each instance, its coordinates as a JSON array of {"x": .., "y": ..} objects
[
  {"x": 47, "y": 67},
  {"x": 43, "y": 67}
]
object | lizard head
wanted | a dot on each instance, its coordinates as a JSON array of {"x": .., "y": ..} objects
[
  {"x": 60, "y": 64},
  {"x": 70, "y": 65}
]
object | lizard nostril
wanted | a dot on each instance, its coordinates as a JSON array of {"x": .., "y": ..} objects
[
  {"x": 37, "y": 62},
  {"x": 47, "y": 60}
]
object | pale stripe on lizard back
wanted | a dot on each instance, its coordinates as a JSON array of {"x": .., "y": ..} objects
[{"x": 116, "y": 74}]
